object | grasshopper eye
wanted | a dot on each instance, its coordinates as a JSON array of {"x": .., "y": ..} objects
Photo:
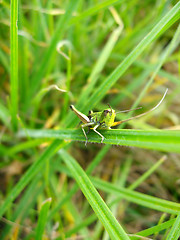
[
  {"x": 90, "y": 112},
  {"x": 106, "y": 112}
]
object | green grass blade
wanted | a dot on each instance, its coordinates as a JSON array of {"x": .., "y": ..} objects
[
  {"x": 139, "y": 198},
  {"x": 42, "y": 219},
  {"x": 14, "y": 62},
  {"x": 155, "y": 229},
  {"x": 175, "y": 230},
  {"x": 100, "y": 208},
  {"x": 164, "y": 140}
]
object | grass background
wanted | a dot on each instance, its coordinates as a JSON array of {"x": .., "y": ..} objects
[{"x": 89, "y": 53}]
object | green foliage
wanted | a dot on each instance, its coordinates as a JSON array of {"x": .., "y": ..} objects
[{"x": 89, "y": 53}]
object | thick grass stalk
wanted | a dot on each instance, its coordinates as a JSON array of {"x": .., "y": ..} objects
[
  {"x": 14, "y": 62},
  {"x": 165, "y": 140}
]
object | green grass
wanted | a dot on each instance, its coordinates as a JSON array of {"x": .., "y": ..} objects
[
  {"x": 14, "y": 62},
  {"x": 168, "y": 141},
  {"x": 124, "y": 53}
]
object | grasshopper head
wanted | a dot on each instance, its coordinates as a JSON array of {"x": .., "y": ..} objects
[{"x": 108, "y": 117}]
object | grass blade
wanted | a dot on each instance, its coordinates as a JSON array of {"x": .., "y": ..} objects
[
  {"x": 42, "y": 219},
  {"x": 100, "y": 208},
  {"x": 139, "y": 198},
  {"x": 164, "y": 140},
  {"x": 155, "y": 229},
  {"x": 14, "y": 62},
  {"x": 175, "y": 230}
]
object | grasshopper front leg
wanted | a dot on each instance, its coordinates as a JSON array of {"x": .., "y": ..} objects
[
  {"x": 83, "y": 126},
  {"x": 94, "y": 129}
]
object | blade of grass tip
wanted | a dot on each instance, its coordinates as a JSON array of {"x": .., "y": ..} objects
[
  {"x": 175, "y": 230},
  {"x": 100, "y": 208},
  {"x": 160, "y": 27},
  {"x": 62, "y": 23},
  {"x": 14, "y": 62},
  {"x": 42, "y": 219}
]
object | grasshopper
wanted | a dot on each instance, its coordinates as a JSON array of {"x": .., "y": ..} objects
[{"x": 105, "y": 119}]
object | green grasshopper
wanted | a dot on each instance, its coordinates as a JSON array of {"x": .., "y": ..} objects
[{"x": 105, "y": 119}]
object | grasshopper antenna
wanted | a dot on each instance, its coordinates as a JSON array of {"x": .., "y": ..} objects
[
  {"x": 140, "y": 115},
  {"x": 110, "y": 106},
  {"x": 129, "y": 110}
]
